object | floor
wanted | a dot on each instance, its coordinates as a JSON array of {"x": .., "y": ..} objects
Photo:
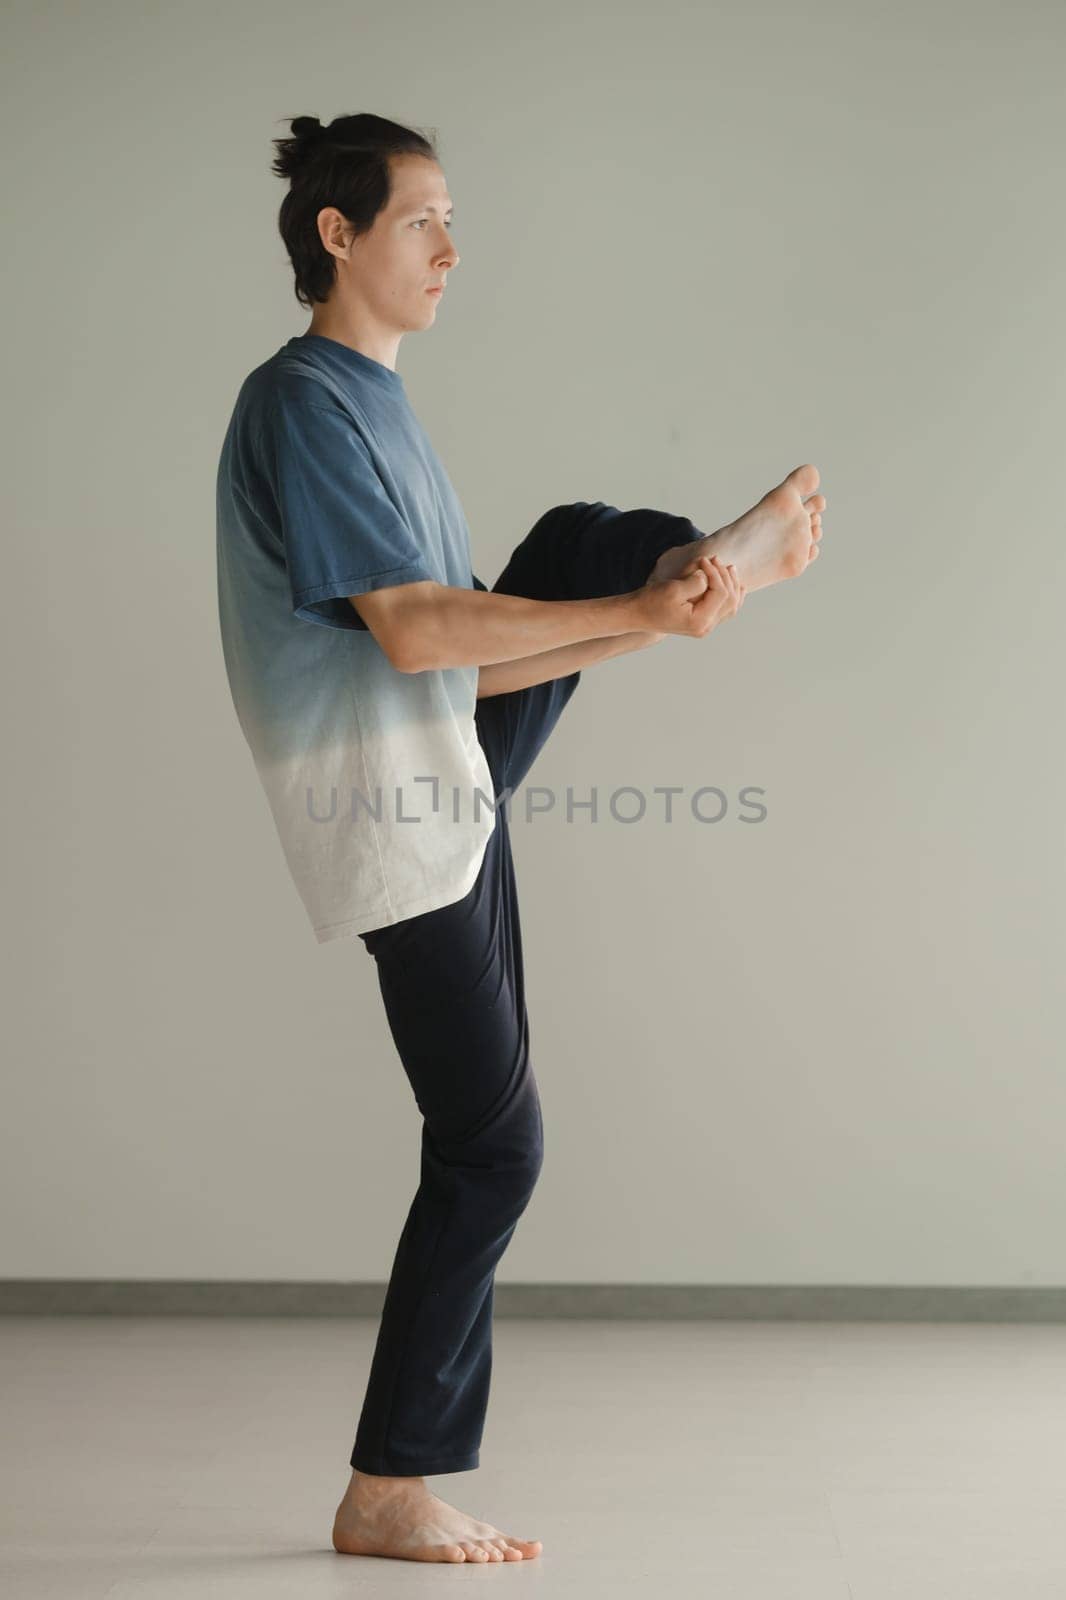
[{"x": 154, "y": 1459}]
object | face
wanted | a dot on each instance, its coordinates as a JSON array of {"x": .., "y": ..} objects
[{"x": 389, "y": 270}]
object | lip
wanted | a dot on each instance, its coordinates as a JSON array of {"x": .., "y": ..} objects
[{"x": 437, "y": 289}]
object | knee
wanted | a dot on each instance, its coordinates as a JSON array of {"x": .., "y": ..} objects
[
  {"x": 513, "y": 1156},
  {"x": 518, "y": 1162},
  {"x": 523, "y": 1175},
  {"x": 533, "y": 1157}
]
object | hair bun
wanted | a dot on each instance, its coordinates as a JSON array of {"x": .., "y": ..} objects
[{"x": 306, "y": 127}]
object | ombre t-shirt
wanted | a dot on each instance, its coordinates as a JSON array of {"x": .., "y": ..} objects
[{"x": 328, "y": 486}]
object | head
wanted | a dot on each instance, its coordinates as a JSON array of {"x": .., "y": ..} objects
[{"x": 366, "y": 222}]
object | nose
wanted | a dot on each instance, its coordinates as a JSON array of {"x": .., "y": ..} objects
[{"x": 449, "y": 255}]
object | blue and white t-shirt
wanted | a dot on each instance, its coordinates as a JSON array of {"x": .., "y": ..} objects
[{"x": 328, "y": 486}]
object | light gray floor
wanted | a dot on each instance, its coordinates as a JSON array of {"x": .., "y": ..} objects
[{"x": 198, "y": 1457}]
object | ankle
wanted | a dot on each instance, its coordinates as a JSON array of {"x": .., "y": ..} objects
[{"x": 373, "y": 1483}]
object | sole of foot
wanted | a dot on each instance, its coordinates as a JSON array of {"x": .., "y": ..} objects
[{"x": 777, "y": 538}]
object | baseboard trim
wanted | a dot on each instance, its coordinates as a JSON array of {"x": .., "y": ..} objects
[{"x": 165, "y": 1297}]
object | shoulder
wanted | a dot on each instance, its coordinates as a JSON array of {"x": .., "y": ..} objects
[
  {"x": 285, "y": 409},
  {"x": 289, "y": 383},
  {"x": 295, "y": 378},
  {"x": 285, "y": 387}
]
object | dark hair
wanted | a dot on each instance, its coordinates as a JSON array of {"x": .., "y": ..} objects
[{"x": 345, "y": 165}]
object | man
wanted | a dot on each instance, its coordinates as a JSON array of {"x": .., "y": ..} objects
[{"x": 368, "y": 663}]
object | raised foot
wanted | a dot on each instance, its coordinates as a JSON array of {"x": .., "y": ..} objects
[
  {"x": 776, "y": 539},
  {"x": 402, "y": 1519}
]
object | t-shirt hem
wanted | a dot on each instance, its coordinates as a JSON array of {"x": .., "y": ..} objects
[{"x": 400, "y": 909}]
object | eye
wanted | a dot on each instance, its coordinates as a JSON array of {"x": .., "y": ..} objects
[{"x": 418, "y": 224}]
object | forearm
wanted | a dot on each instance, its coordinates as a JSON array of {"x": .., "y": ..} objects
[
  {"x": 500, "y": 676},
  {"x": 456, "y": 627}
]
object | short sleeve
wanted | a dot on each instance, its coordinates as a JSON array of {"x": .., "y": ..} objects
[
  {"x": 478, "y": 583},
  {"x": 341, "y": 532}
]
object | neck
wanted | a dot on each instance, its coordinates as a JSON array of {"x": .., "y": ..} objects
[{"x": 379, "y": 344}]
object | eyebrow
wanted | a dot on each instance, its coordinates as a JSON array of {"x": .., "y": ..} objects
[{"x": 428, "y": 206}]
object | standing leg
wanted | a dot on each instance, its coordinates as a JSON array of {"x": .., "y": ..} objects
[{"x": 452, "y": 986}]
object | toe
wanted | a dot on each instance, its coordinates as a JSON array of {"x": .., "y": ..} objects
[
  {"x": 472, "y": 1551},
  {"x": 806, "y": 478}
]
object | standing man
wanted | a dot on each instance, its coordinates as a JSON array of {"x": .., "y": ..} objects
[{"x": 391, "y": 704}]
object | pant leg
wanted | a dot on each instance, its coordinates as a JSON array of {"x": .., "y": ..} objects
[
  {"x": 588, "y": 549},
  {"x": 573, "y": 552},
  {"x": 452, "y": 984}
]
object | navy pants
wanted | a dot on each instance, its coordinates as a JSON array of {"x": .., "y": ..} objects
[{"x": 453, "y": 988}]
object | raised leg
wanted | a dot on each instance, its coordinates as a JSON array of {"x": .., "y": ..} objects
[
  {"x": 588, "y": 549},
  {"x": 573, "y": 552}
]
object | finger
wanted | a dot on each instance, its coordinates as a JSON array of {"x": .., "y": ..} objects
[
  {"x": 692, "y": 584},
  {"x": 724, "y": 604},
  {"x": 710, "y": 606},
  {"x": 729, "y": 588}
]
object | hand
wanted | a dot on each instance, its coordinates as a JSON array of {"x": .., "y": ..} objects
[{"x": 704, "y": 594}]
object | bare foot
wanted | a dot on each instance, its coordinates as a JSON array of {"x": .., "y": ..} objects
[
  {"x": 776, "y": 539},
  {"x": 400, "y": 1517}
]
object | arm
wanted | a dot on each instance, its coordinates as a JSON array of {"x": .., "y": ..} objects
[
  {"x": 425, "y": 625},
  {"x": 524, "y": 671}
]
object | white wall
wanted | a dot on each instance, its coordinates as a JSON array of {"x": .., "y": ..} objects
[{"x": 700, "y": 245}]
